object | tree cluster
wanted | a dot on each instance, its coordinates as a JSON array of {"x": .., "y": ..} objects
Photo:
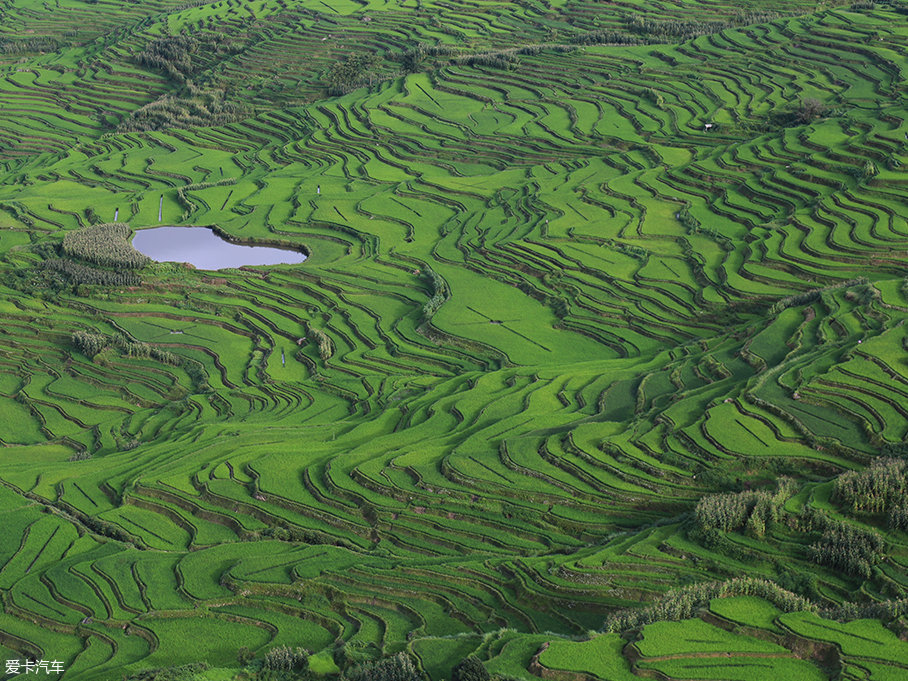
[
  {"x": 413, "y": 59},
  {"x": 184, "y": 672},
  {"x": 28, "y": 45},
  {"x": 172, "y": 54},
  {"x": 439, "y": 289},
  {"x": 399, "y": 667},
  {"x": 355, "y": 71},
  {"x": 879, "y": 488},
  {"x": 90, "y": 344},
  {"x": 287, "y": 659},
  {"x": 470, "y": 668},
  {"x": 323, "y": 341},
  {"x": 504, "y": 59},
  {"x": 106, "y": 245},
  {"x": 675, "y": 29},
  {"x": 191, "y": 107},
  {"x": 846, "y": 547},
  {"x": 756, "y": 512},
  {"x": 898, "y": 517},
  {"x": 605, "y": 38},
  {"x": 74, "y": 273}
]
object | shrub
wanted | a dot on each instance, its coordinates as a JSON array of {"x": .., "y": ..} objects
[{"x": 470, "y": 668}]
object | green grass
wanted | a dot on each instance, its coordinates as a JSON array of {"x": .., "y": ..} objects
[
  {"x": 600, "y": 656},
  {"x": 747, "y": 610},
  {"x": 567, "y": 276}
]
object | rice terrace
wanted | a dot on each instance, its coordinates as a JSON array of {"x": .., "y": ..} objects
[{"x": 583, "y": 353}]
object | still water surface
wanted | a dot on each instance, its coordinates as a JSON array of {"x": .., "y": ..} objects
[{"x": 205, "y": 250}]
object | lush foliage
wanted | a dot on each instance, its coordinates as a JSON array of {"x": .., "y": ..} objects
[
  {"x": 605, "y": 308},
  {"x": 106, "y": 245}
]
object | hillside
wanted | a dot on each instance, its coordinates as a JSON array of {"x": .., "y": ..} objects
[{"x": 604, "y": 309}]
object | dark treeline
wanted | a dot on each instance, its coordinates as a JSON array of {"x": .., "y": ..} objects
[
  {"x": 74, "y": 274},
  {"x": 28, "y": 45},
  {"x": 675, "y": 29}
]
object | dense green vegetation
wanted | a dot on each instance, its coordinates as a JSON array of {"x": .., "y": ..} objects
[{"x": 597, "y": 365}]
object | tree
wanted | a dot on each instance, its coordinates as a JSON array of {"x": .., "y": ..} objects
[
  {"x": 355, "y": 70},
  {"x": 470, "y": 668},
  {"x": 810, "y": 109}
]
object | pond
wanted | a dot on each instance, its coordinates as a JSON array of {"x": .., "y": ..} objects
[{"x": 205, "y": 250}]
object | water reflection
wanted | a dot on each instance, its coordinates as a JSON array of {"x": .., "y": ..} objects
[{"x": 205, "y": 250}]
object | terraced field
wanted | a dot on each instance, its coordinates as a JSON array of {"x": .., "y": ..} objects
[{"x": 602, "y": 300}]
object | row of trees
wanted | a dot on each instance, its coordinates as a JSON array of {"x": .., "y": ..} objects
[
  {"x": 106, "y": 245},
  {"x": 285, "y": 663},
  {"x": 28, "y": 45},
  {"x": 683, "y": 603},
  {"x": 74, "y": 273},
  {"x": 676, "y": 29}
]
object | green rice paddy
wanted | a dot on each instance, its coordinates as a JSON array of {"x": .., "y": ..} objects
[{"x": 578, "y": 273}]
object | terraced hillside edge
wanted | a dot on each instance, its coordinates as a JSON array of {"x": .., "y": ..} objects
[{"x": 596, "y": 367}]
